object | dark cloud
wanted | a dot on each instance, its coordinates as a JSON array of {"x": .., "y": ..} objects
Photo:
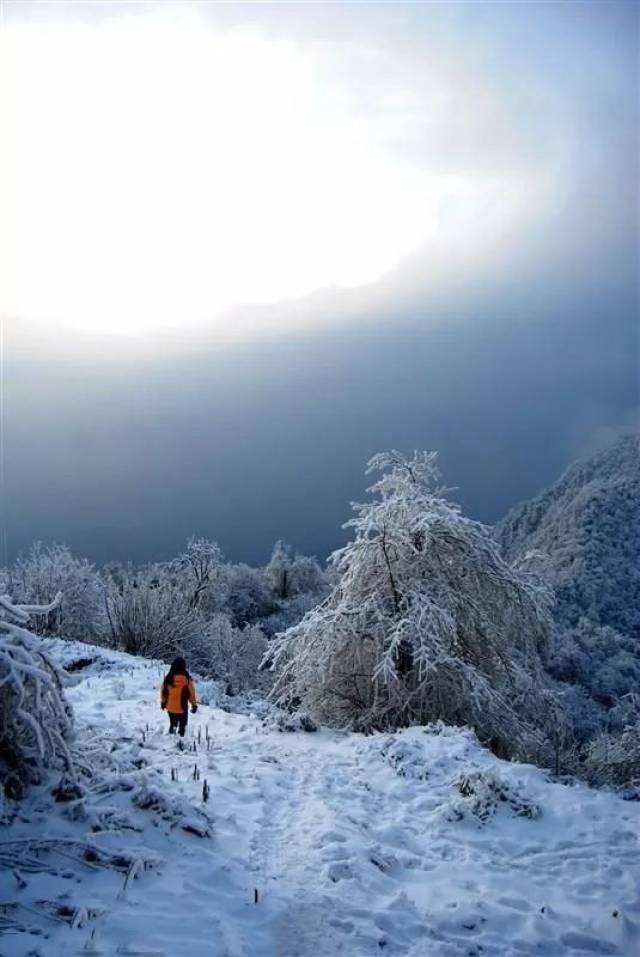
[{"x": 270, "y": 439}]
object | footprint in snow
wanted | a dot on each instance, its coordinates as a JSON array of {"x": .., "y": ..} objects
[
  {"x": 330, "y": 837},
  {"x": 338, "y": 871},
  {"x": 516, "y": 903},
  {"x": 584, "y": 943},
  {"x": 334, "y": 852}
]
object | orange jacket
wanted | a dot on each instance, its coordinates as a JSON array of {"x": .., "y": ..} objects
[{"x": 177, "y": 696}]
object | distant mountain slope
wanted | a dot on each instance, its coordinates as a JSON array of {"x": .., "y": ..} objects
[{"x": 588, "y": 524}]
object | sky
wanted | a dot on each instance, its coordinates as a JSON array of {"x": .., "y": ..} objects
[{"x": 245, "y": 246}]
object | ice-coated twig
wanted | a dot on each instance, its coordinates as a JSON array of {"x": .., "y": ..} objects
[{"x": 35, "y": 719}]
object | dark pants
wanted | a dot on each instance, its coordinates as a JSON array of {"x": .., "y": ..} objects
[{"x": 178, "y": 721}]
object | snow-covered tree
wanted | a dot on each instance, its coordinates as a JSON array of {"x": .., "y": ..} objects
[
  {"x": 426, "y": 621},
  {"x": 203, "y": 574},
  {"x": 47, "y": 570},
  {"x": 289, "y": 575},
  {"x": 248, "y": 597},
  {"x": 35, "y": 720},
  {"x": 599, "y": 659},
  {"x": 296, "y": 583},
  {"x": 277, "y": 572}
]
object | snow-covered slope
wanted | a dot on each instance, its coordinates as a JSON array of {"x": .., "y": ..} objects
[
  {"x": 418, "y": 843},
  {"x": 588, "y": 524}
]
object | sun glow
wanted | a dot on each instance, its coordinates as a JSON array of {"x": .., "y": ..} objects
[{"x": 164, "y": 171}]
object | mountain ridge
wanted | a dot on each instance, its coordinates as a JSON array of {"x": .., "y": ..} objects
[{"x": 587, "y": 524}]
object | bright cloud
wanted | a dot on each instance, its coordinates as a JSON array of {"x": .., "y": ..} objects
[{"x": 164, "y": 169}]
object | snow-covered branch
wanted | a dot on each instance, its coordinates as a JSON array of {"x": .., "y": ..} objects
[
  {"x": 35, "y": 719},
  {"x": 22, "y": 613}
]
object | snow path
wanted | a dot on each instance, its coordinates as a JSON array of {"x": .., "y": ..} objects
[{"x": 356, "y": 846}]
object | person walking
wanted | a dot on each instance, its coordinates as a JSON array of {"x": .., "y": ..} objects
[{"x": 177, "y": 692}]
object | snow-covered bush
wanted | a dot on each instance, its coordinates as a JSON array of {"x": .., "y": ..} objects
[
  {"x": 585, "y": 716},
  {"x": 426, "y": 621},
  {"x": 290, "y": 612},
  {"x": 230, "y": 655},
  {"x": 406, "y": 757},
  {"x": 47, "y": 570},
  {"x": 248, "y": 597},
  {"x": 600, "y": 671},
  {"x": 600, "y": 659},
  {"x": 484, "y": 792},
  {"x": 277, "y": 720},
  {"x": 148, "y": 611},
  {"x": 615, "y": 758},
  {"x": 35, "y": 720},
  {"x": 164, "y": 609}
]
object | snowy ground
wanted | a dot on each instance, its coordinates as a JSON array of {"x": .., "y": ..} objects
[{"x": 417, "y": 844}]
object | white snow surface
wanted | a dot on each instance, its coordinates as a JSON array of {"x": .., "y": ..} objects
[{"x": 354, "y": 845}]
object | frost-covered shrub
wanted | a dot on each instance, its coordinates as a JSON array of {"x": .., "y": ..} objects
[
  {"x": 585, "y": 716},
  {"x": 484, "y": 792},
  {"x": 624, "y": 713},
  {"x": 406, "y": 757},
  {"x": 614, "y": 759},
  {"x": 289, "y": 613},
  {"x": 209, "y": 692},
  {"x": 600, "y": 659},
  {"x": 230, "y": 655},
  {"x": 52, "y": 569},
  {"x": 164, "y": 609},
  {"x": 283, "y": 721},
  {"x": 149, "y": 612},
  {"x": 148, "y": 797},
  {"x": 35, "y": 719},
  {"x": 426, "y": 621},
  {"x": 600, "y": 669},
  {"x": 248, "y": 597},
  {"x": 176, "y": 812}
]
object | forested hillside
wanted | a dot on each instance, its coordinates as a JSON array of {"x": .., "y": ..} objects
[
  {"x": 587, "y": 525},
  {"x": 582, "y": 534}
]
